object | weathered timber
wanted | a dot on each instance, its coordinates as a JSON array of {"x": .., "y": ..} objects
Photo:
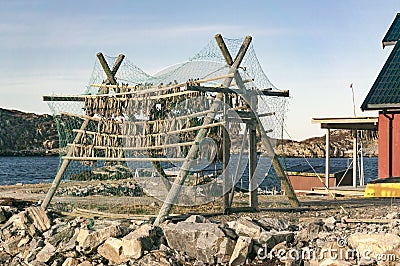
[
  {"x": 171, "y": 145},
  {"x": 286, "y": 185},
  {"x": 122, "y": 159},
  {"x": 217, "y": 124},
  {"x": 192, "y": 154},
  {"x": 117, "y": 64},
  {"x": 236, "y": 176},
  {"x": 376, "y": 221},
  {"x": 106, "y": 68},
  {"x": 282, "y": 93},
  {"x": 253, "y": 186},
  {"x": 225, "y": 158},
  {"x": 61, "y": 170}
]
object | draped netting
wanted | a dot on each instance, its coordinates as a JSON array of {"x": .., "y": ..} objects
[{"x": 132, "y": 119}]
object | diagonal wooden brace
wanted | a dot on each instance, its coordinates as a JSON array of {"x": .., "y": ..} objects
[
  {"x": 63, "y": 167},
  {"x": 287, "y": 186},
  {"x": 192, "y": 154}
]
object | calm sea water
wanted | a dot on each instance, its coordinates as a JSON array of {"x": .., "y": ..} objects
[{"x": 43, "y": 169}]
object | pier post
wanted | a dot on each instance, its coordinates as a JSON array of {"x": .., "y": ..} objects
[
  {"x": 327, "y": 156},
  {"x": 355, "y": 148}
]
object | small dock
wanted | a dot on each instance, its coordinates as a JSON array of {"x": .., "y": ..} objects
[
  {"x": 338, "y": 191},
  {"x": 356, "y": 125}
]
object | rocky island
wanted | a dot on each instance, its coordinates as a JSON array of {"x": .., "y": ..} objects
[{"x": 24, "y": 134}]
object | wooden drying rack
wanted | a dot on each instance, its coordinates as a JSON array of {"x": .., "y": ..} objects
[{"x": 231, "y": 84}]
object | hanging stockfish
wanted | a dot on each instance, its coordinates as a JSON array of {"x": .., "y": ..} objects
[
  {"x": 75, "y": 151},
  {"x": 81, "y": 151},
  {"x": 173, "y": 124},
  {"x": 180, "y": 124},
  {"x": 138, "y": 140},
  {"x": 84, "y": 138},
  {"x": 134, "y": 129},
  {"x": 165, "y": 126},
  {"x": 120, "y": 153}
]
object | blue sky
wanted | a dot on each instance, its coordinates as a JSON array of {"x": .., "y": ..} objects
[{"x": 313, "y": 48}]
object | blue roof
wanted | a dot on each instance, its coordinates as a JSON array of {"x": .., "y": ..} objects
[
  {"x": 385, "y": 92},
  {"x": 393, "y": 34}
]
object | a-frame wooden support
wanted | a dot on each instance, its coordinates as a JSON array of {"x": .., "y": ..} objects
[
  {"x": 110, "y": 73},
  {"x": 57, "y": 179},
  {"x": 184, "y": 171},
  {"x": 192, "y": 154}
]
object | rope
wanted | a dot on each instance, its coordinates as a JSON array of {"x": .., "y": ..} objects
[{"x": 315, "y": 172}]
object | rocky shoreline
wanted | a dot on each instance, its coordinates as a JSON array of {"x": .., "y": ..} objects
[{"x": 366, "y": 235}]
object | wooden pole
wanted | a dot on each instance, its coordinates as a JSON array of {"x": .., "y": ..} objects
[
  {"x": 157, "y": 134},
  {"x": 327, "y": 156},
  {"x": 106, "y": 68},
  {"x": 225, "y": 158},
  {"x": 286, "y": 185},
  {"x": 123, "y": 159},
  {"x": 253, "y": 193},
  {"x": 191, "y": 156},
  {"x": 355, "y": 159},
  {"x": 235, "y": 177},
  {"x": 141, "y": 122},
  {"x": 361, "y": 165},
  {"x": 63, "y": 167},
  {"x": 155, "y": 88},
  {"x": 117, "y": 64},
  {"x": 224, "y": 49},
  {"x": 171, "y": 145}
]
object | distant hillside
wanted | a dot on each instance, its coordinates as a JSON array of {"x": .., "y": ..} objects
[
  {"x": 26, "y": 133},
  {"x": 341, "y": 146}
]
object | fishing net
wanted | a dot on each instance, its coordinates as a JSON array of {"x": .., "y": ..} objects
[{"x": 138, "y": 134}]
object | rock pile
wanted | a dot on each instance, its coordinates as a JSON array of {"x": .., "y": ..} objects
[
  {"x": 36, "y": 237},
  {"x": 128, "y": 188}
]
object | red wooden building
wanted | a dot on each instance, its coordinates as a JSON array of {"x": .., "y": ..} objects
[{"x": 384, "y": 96}]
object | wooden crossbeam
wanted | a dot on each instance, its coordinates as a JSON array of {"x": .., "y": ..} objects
[
  {"x": 140, "y": 122},
  {"x": 166, "y": 146},
  {"x": 217, "y": 124},
  {"x": 123, "y": 159},
  {"x": 266, "y": 92},
  {"x": 280, "y": 93},
  {"x": 64, "y": 98},
  {"x": 137, "y": 91}
]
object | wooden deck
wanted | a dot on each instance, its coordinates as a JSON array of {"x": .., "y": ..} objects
[{"x": 341, "y": 190}]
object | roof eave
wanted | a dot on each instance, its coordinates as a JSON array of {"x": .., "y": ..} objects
[
  {"x": 388, "y": 43},
  {"x": 383, "y": 106}
]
